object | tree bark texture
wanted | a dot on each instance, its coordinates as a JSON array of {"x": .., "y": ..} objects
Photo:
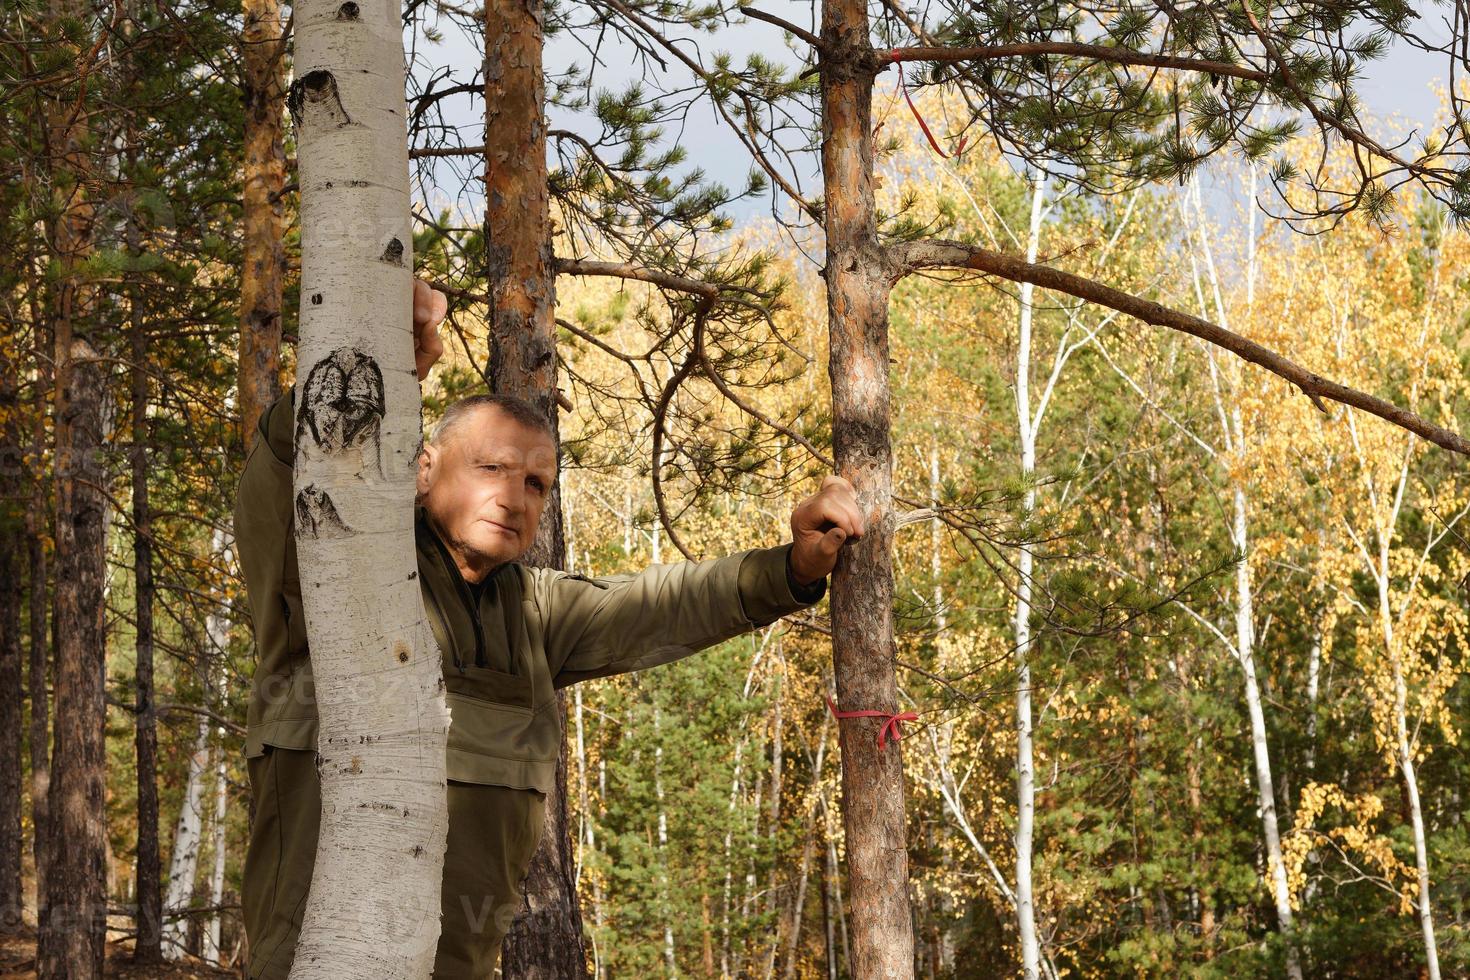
[
  {"x": 73, "y": 916},
  {"x": 263, "y": 224},
  {"x": 12, "y": 529},
  {"x": 38, "y": 527},
  {"x": 857, "y": 275},
  {"x": 147, "y": 948},
  {"x": 373, "y": 907},
  {"x": 546, "y": 940},
  {"x": 183, "y": 865}
]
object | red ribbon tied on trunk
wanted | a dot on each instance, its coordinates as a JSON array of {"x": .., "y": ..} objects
[{"x": 890, "y": 725}]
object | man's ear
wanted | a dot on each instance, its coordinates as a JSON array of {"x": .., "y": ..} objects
[{"x": 428, "y": 468}]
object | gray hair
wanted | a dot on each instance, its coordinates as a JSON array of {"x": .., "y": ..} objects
[{"x": 517, "y": 408}]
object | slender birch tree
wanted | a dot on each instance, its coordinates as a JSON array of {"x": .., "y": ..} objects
[
  {"x": 373, "y": 908},
  {"x": 1228, "y": 384}
]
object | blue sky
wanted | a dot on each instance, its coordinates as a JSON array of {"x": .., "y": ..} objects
[{"x": 1401, "y": 85}]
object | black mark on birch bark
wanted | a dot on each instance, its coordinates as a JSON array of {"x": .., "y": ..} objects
[
  {"x": 342, "y": 403},
  {"x": 394, "y": 252},
  {"x": 317, "y": 517},
  {"x": 313, "y": 98},
  {"x": 348, "y": 11}
]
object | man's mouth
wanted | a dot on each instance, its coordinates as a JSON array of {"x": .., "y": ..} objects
[{"x": 507, "y": 530}]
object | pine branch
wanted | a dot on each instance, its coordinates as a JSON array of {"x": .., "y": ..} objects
[{"x": 1097, "y": 52}]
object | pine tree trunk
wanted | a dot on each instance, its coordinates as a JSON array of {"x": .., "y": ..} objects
[
  {"x": 12, "y": 527},
  {"x": 73, "y": 919},
  {"x": 147, "y": 947},
  {"x": 373, "y": 907},
  {"x": 858, "y": 280},
  {"x": 262, "y": 222},
  {"x": 546, "y": 940}
]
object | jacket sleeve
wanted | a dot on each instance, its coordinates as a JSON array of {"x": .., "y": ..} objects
[
  {"x": 267, "y": 554},
  {"x": 263, "y": 523},
  {"x": 597, "y": 627}
]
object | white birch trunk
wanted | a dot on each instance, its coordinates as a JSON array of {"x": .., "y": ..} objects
[
  {"x": 373, "y": 907},
  {"x": 777, "y": 757},
  {"x": 670, "y": 959},
  {"x": 1025, "y": 756},
  {"x": 1405, "y": 753},
  {"x": 587, "y": 835},
  {"x": 1232, "y": 426},
  {"x": 1265, "y": 786},
  {"x": 808, "y": 849},
  {"x": 1314, "y": 684},
  {"x": 936, "y": 539},
  {"x": 184, "y": 862},
  {"x": 213, "y": 926}
]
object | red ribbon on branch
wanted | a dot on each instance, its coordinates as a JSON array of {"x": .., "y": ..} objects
[
  {"x": 959, "y": 147},
  {"x": 890, "y": 725}
]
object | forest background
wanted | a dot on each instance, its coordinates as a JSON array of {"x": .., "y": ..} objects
[{"x": 1216, "y": 581}]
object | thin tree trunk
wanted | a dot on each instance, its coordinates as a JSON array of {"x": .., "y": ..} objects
[
  {"x": 38, "y": 682},
  {"x": 1233, "y": 432},
  {"x": 1265, "y": 787},
  {"x": 671, "y": 965},
  {"x": 12, "y": 526},
  {"x": 1314, "y": 683},
  {"x": 73, "y": 921},
  {"x": 37, "y": 532},
  {"x": 808, "y": 849},
  {"x": 212, "y": 928},
  {"x": 829, "y": 871},
  {"x": 147, "y": 947},
  {"x": 183, "y": 865},
  {"x": 262, "y": 220},
  {"x": 1021, "y": 621},
  {"x": 373, "y": 907},
  {"x": 1404, "y": 750},
  {"x": 589, "y": 828},
  {"x": 546, "y": 940},
  {"x": 773, "y": 906},
  {"x": 858, "y": 276}
]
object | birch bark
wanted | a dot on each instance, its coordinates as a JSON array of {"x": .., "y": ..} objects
[
  {"x": 1025, "y": 753},
  {"x": 184, "y": 861},
  {"x": 373, "y": 907}
]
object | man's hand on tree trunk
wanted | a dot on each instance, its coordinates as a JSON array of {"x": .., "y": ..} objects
[
  {"x": 429, "y": 309},
  {"x": 820, "y": 525}
]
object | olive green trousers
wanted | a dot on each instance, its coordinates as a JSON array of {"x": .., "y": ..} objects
[{"x": 493, "y": 831}]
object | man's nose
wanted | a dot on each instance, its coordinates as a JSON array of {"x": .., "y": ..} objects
[{"x": 513, "y": 495}]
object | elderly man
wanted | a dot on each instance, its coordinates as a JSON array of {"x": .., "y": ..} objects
[{"x": 510, "y": 635}]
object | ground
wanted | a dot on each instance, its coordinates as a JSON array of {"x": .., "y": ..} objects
[{"x": 18, "y": 959}]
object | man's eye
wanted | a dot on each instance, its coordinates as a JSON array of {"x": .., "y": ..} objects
[
  {"x": 540, "y": 487},
  {"x": 489, "y": 466}
]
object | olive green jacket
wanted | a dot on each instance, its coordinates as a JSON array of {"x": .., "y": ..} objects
[{"x": 537, "y": 629}]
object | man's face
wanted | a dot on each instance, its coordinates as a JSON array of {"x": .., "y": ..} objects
[{"x": 484, "y": 488}]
